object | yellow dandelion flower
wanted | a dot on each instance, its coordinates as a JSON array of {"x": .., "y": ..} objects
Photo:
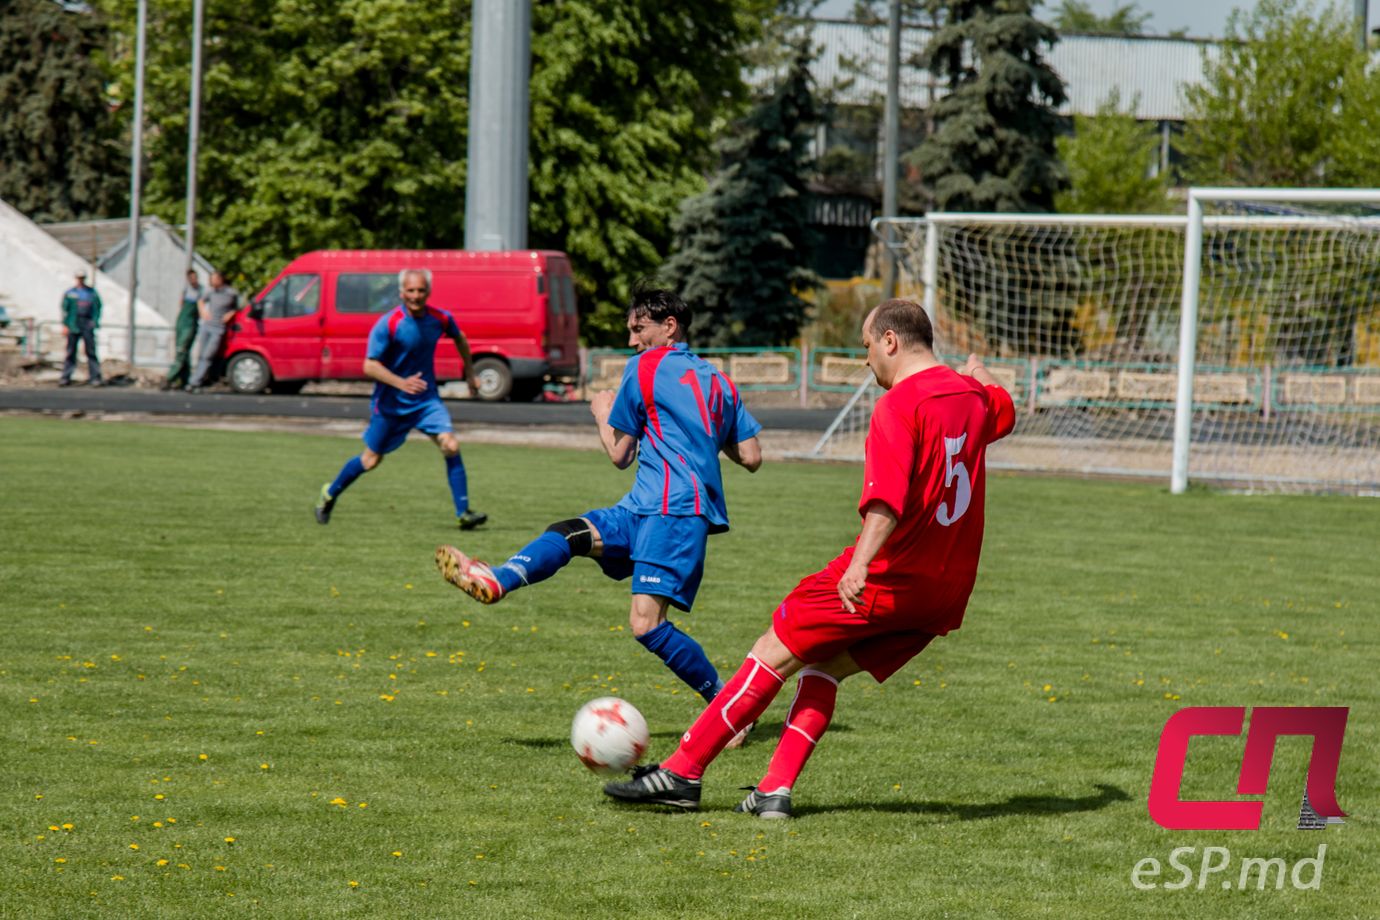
[
  {"x": 67, "y": 827},
  {"x": 117, "y": 878},
  {"x": 354, "y": 884},
  {"x": 134, "y": 846},
  {"x": 339, "y": 801},
  {"x": 363, "y": 804},
  {"x": 263, "y": 766},
  {"x": 220, "y": 868},
  {"x": 159, "y": 797},
  {"x": 60, "y": 860},
  {"x": 397, "y": 852},
  {"x": 229, "y": 839},
  {"x": 201, "y": 757},
  {"x": 161, "y": 863}
]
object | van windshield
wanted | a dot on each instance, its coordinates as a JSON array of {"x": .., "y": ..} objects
[{"x": 372, "y": 292}]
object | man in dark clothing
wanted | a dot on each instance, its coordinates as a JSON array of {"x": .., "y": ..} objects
[
  {"x": 181, "y": 369},
  {"x": 81, "y": 315}
]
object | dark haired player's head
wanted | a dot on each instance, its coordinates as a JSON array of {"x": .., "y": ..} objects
[
  {"x": 908, "y": 320},
  {"x": 656, "y": 317},
  {"x": 656, "y": 304}
]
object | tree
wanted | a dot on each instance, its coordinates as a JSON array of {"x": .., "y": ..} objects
[
  {"x": 343, "y": 124},
  {"x": 61, "y": 156},
  {"x": 1108, "y": 158},
  {"x": 993, "y": 145},
  {"x": 743, "y": 247},
  {"x": 625, "y": 102},
  {"x": 1355, "y": 154},
  {"x": 1077, "y": 16},
  {"x": 1275, "y": 98}
]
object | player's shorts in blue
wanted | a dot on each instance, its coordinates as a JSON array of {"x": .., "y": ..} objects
[
  {"x": 663, "y": 554},
  {"x": 387, "y": 432}
]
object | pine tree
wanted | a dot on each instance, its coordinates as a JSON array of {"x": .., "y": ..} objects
[
  {"x": 743, "y": 247},
  {"x": 993, "y": 148},
  {"x": 61, "y": 157}
]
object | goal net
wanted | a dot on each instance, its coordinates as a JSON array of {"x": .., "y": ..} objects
[{"x": 1082, "y": 319}]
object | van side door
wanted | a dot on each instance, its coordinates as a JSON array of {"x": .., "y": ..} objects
[{"x": 361, "y": 297}]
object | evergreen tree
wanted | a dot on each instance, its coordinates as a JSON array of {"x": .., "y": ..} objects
[
  {"x": 61, "y": 157},
  {"x": 993, "y": 146},
  {"x": 1108, "y": 157},
  {"x": 743, "y": 247}
]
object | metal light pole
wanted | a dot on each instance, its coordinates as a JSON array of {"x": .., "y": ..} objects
[
  {"x": 500, "y": 66},
  {"x": 136, "y": 168},
  {"x": 193, "y": 131},
  {"x": 891, "y": 139},
  {"x": 1362, "y": 14}
]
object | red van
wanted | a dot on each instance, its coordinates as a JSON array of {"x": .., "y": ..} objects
[{"x": 312, "y": 322}]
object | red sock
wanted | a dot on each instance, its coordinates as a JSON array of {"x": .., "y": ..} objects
[
  {"x": 737, "y": 706},
  {"x": 806, "y": 722}
]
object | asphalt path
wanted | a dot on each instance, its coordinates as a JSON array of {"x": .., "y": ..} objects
[{"x": 463, "y": 411}]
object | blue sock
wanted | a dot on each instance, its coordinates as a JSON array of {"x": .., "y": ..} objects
[
  {"x": 352, "y": 470},
  {"x": 537, "y": 561},
  {"x": 684, "y": 657},
  {"x": 459, "y": 484}
]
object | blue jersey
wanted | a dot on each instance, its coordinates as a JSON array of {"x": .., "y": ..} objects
[
  {"x": 407, "y": 346},
  {"x": 682, "y": 411}
]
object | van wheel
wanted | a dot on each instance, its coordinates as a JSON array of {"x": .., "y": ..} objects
[
  {"x": 248, "y": 373},
  {"x": 495, "y": 379}
]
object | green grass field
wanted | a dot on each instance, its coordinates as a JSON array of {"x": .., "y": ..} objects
[{"x": 215, "y": 707}]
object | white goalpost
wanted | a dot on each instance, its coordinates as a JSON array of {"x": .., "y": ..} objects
[{"x": 1238, "y": 345}]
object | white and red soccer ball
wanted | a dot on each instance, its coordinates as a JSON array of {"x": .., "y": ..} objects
[{"x": 609, "y": 735}]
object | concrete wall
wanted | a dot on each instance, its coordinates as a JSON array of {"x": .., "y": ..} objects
[
  {"x": 35, "y": 270},
  {"x": 162, "y": 258}
]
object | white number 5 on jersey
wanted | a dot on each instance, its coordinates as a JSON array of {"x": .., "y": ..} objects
[{"x": 956, "y": 475}]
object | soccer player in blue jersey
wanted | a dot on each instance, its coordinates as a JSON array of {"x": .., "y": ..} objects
[
  {"x": 401, "y": 359},
  {"x": 673, "y": 413}
]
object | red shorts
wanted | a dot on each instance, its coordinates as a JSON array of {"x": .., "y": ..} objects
[{"x": 881, "y": 636}]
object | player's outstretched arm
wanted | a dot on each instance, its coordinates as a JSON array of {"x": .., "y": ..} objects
[
  {"x": 462, "y": 345},
  {"x": 619, "y": 445},
  {"x": 978, "y": 371},
  {"x": 747, "y": 454}
]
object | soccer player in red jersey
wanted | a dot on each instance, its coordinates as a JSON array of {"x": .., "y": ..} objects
[{"x": 881, "y": 601}]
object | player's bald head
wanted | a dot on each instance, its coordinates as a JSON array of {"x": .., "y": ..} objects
[{"x": 906, "y": 319}]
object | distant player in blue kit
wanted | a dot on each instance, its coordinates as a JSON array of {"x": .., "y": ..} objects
[
  {"x": 673, "y": 413},
  {"x": 402, "y": 360}
]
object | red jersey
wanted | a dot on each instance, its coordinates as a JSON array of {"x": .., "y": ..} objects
[{"x": 926, "y": 461}]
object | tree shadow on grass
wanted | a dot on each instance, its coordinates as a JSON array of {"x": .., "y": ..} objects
[{"x": 977, "y": 811}]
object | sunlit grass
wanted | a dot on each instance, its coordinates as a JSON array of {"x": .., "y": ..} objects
[{"x": 213, "y": 705}]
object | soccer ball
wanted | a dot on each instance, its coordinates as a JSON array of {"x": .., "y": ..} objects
[{"x": 609, "y": 735}]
